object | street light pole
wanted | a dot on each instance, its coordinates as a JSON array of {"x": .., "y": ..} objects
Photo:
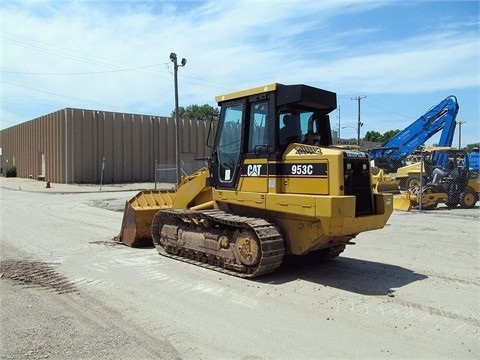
[
  {"x": 339, "y": 127},
  {"x": 173, "y": 58},
  {"x": 460, "y": 133},
  {"x": 359, "y": 124}
]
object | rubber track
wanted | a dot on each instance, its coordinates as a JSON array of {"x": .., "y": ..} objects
[{"x": 270, "y": 238}]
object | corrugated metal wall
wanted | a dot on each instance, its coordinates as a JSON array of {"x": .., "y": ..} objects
[{"x": 75, "y": 145}]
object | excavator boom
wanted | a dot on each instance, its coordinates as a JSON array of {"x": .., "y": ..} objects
[
  {"x": 389, "y": 158},
  {"x": 440, "y": 117}
]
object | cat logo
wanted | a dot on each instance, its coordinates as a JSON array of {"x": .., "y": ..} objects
[{"x": 254, "y": 170}]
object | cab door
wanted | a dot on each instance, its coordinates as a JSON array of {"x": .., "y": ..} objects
[
  {"x": 226, "y": 157},
  {"x": 254, "y": 174}
]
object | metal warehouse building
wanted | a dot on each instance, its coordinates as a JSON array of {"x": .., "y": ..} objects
[{"x": 89, "y": 146}]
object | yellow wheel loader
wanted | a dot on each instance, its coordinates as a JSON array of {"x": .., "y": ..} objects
[
  {"x": 274, "y": 185},
  {"x": 410, "y": 175},
  {"x": 455, "y": 184},
  {"x": 414, "y": 173}
]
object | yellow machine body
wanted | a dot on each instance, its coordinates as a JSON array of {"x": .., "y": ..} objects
[
  {"x": 310, "y": 218},
  {"x": 263, "y": 196},
  {"x": 313, "y": 213}
]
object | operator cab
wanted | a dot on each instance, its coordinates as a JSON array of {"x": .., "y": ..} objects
[{"x": 261, "y": 122}]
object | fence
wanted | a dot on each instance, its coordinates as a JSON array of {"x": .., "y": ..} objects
[
  {"x": 167, "y": 173},
  {"x": 453, "y": 186}
]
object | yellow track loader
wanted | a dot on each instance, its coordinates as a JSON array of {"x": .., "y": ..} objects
[{"x": 274, "y": 185}]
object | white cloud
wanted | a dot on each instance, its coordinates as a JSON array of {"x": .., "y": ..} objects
[{"x": 84, "y": 50}]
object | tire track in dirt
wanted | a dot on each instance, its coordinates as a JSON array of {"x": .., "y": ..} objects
[{"x": 36, "y": 274}]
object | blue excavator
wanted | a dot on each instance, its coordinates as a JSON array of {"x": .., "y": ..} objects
[
  {"x": 474, "y": 159},
  {"x": 389, "y": 157}
]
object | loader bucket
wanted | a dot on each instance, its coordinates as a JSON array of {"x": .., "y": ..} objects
[
  {"x": 402, "y": 203},
  {"x": 138, "y": 216}
]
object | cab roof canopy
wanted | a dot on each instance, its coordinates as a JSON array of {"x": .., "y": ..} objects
[{"x": 298, "y": 95}]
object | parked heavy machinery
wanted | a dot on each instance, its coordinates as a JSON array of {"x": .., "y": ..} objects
[
  {"x": 474, "y": 159},
  {"x": 431, "y": 157},
  {"x": 274, "y": 185},
  {"x": 455, "y": 184},
  {"x": 390, "y": 156}
]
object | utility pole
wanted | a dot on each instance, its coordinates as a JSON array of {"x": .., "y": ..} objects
[
  {"x": 173, "y": 58},
  {"x": 360, "y": 124},
  {"x": 460, "y": 123},
  {"x": 339, "y": 127}
]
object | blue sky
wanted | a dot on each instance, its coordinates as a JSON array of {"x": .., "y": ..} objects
[{"x": 404, "y": 56}]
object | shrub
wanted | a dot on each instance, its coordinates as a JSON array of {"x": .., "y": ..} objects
[{"x": 11, "y": 171}]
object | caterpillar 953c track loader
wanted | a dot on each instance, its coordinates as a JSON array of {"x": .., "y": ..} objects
[{"x": 274, "y": 185}]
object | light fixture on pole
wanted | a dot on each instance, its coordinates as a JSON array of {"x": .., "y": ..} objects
[
  {"x": 173, "y": 58},
  {"x": 339, "y": 127},
  {"x": 350, "y": 127},
  {"x": 460, "y": 123}
]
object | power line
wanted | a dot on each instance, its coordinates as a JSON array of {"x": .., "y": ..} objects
[
  {"x": 63, "y": 96},
  {"x": 392, "y": 109},
  {"x": 78, "y": 73},
  {"x": 74, "y": 55},
  {"x": 87, "y": 58}
]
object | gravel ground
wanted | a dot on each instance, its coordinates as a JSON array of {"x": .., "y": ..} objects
[{"x": 69, "y": 325}]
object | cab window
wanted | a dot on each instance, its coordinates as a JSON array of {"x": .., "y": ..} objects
[
  {"x": 257, "y": 133},
  {"x": 230, "y": 141}
]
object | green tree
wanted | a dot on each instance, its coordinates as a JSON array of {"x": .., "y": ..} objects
[
  {"x": 373, "y": 136},
  {"x": 197, "y": 112},
  {"x": 377, "y": 137},
  {"x": 389, "y": 134},
  {"x": 470, "y": 147}
]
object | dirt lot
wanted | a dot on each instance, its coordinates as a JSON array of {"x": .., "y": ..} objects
[{"x": 410, "y": 290}]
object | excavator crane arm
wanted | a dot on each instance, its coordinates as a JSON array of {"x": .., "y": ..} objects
[{"x": 440, "y": 117}]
